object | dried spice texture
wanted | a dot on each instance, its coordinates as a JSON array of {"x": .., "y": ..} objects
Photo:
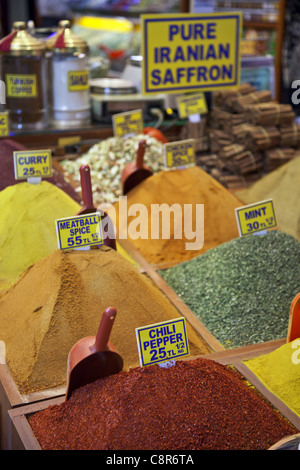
[
  {"x": 107, "y": 160},
  {"x": 27, "y": 225},
  {"x": 242, "y": 290},
  {"x": 197, "y": 404},
  {"x": 190, "y": 186},
  {"x": 280, "y": 372},
  {"x": 61, "y": 298}
]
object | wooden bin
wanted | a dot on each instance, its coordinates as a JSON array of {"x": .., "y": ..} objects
[{"x": 23, "y": 437}]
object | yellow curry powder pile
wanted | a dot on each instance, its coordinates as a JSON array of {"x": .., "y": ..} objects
[
  {"x": 279, "y": 371},
  {"x": 189, "y": 186},
  {"x": 281, "y": 185},
  {"x": 27, "y": 225},
  {"x": 61, "y": 298}
]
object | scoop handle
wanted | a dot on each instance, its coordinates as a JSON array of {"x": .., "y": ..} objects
[
  {"x": 104, "y": 330},
  {"x": 140, "y": 154},
  {"x": 86, "y": 187}
]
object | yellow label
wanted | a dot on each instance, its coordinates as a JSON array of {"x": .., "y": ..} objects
[
  {"x": 21, "y": 86},
  {"x": 4, "y": 124},
  {"x": 79, "y": 231},
  {"x": 191, "y": 104},
  {"x": 32, "y": 164},
  {"x": 190, "y": 52},
  {"x": 162, "y": 342},
  {"x": 128, "y": 123},
  {"x": 78, "y": 80},
  {"x": 256, "y": 217},
  {"x": 181, "y": 153}
]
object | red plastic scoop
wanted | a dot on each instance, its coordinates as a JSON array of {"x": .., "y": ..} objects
[
  {"x": 88, "y": 207},
  {"x": 93, "y": 357},
  {"x": 294, "y": 320},
  {"x": 135, "y": 172}
]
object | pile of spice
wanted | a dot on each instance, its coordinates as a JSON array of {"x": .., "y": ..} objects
[
  {"x": 242, "y": 290},
  {"x": 107, "y": 160},
  {"x": 61, "y": 298},
  {"x": 27, "y": 225},
  {"x": 179, "y": 188},
  {"x": 281, "y": 185},
  {"x": 279, "y": 371},
  {"x": 7, "y": 175},
  {"x": 194, "y": 405}
]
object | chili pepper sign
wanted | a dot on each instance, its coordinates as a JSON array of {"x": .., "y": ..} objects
[{"x": 187, "y": 52}]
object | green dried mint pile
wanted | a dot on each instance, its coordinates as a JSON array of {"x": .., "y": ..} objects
[{"x": 242, "y": 290}]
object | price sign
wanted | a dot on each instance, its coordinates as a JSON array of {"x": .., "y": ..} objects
[
  {"x": 189, "y": 105},
  {"x": 128, "y": 123},
  {"x": 32, "y": 164},
  {"x": 162, "y": 342},
  {"x": 79, "y": 231},
  {"x": 180, "y": 154},
  {"x": 4, "y": 124},
  {"x": 255, "y": 218}
]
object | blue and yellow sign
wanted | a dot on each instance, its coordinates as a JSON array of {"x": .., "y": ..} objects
[
  {"x": 180, "y": 154},
  {"x": 32, "y": 164},
  {"x": 190, "y": 52},
  {"x": 79, "y": 231},
  {"x": 255, "y": 218},
  {"x": 162, "y": 342},
  {"x": 4, "y": 124},
  {"x": 78, "y": 80},
  {"x": 128, "y": 123},
  {"x": 193, "y": 103}
]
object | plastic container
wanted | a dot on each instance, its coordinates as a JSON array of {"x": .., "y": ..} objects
[
  {"x": 69, "y": 75},
  {"x": 24, "y": 72}
]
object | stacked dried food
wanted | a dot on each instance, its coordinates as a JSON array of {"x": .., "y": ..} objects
[
  {"x": 27, "y": 225},
  {"x": 242, "y": 290},
  {"x": 281, "y": 185},
  {"x": 194, "y": 405},
  {"x": 185, "y": 235},
  {"x": 7, "y": 175},
  {"x": 251, "y": 134},
  {"x": 60, "y": 299},
  {"x": 107, "y": 160}
]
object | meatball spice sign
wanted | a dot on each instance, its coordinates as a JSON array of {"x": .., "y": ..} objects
[
  {"x": 162, "y": 342},
  {"x": 188, "y": 52},
  {"x": 128, "y": 123},
  {"x": 79, "y": 231},
  {"x": 256, "y": 218}
]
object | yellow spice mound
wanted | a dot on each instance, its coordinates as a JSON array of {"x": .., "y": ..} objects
[
  {"x": 27, "y": 225},
  {"x": 61, "y": 298},
  {"x": 186, "y": 186},
  {"x": 281, "y": 185}
]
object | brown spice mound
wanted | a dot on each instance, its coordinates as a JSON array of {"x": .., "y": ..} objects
[
  {"x": 60, "y": 299},
  {"x": 187, "y": 186},
  {"x": 197, "y": 404}
]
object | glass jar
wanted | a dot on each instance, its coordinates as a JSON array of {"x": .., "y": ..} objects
[
  {"x": 23, "y": 70},
  {"x": 69, "y": 72}
]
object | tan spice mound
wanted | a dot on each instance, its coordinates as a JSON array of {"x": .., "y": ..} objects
[
  {"x": 186, "y": 186},
  {"x": 197, "y": 404},
  {"x": 281, "y": 185},
  {"x": 60, "y": 299}
]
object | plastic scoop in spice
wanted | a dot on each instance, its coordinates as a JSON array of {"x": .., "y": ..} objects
[
  {"x": 93, "y": 357},
  {"x": 88, "y": 206},
  {"x": 135, "y": 172},
  {"x": 294, "y": 320}
]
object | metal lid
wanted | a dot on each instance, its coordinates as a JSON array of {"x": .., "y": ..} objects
[
  {"x": 66, "y": 41},
  {"x": 20, "y": 41},
  {"x": 112, "y": 86}
]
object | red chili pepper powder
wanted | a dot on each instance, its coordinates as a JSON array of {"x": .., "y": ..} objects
[{"x": 197, "y": 404}]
